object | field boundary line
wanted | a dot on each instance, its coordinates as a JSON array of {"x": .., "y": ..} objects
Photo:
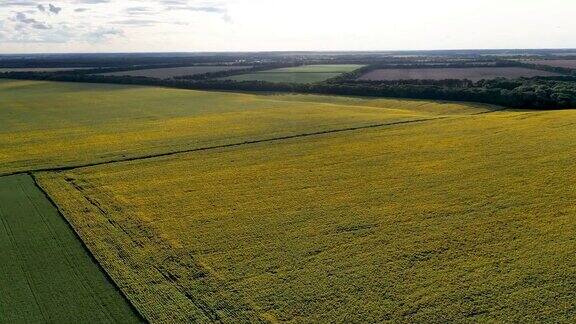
[
  {"x": 179, "y": 300},
  {"x": 84, "y": 246},
  {"x": 248, "y": 142}
]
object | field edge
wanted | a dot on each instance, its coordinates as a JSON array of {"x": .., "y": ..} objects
[
  {"x": 122, "y": 248},
  {"x": 84, "y": 245}
]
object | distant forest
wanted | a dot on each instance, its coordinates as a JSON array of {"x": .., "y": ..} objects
[{"x": 528, "y": 93}]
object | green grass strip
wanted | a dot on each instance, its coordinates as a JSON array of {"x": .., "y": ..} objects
[{"x": 46, "y": 275}]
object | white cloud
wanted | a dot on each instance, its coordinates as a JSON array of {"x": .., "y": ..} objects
[{"x": 204, "y": 25}]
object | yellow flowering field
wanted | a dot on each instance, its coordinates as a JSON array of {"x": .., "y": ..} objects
[
  {"x": 466, "y": 218},
  {"x": 45, "y": 125}
]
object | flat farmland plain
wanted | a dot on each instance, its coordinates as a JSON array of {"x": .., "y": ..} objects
[
  {"x": 167, "y": 73},
  {"x": 46, "y": 275},
  {"x": 473, "y": 74},
  {"x": 322, "y": 68},
  {"x": 40, "y": 69},
  {"x": 448, "y": 220},
  {"x": 284, "y": 77},
  {"x": 50, "y": 125},
  {"x": 299, "y": 74},
  {"x": 569, "y": 64}
]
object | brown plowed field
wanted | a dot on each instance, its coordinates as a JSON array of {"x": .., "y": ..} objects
[
  {"x": 474, "y": 74},
  {"x": 166, "y": 73},
  {"x": 568, "y": 64}
]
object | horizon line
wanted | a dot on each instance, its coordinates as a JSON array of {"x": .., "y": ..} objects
[{"x": 298, "y": 51}]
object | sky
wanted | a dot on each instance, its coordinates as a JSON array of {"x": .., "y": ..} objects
[{"x": 59, "y": 26}]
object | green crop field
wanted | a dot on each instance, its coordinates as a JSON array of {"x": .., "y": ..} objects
[
  {"x": 322, "y": 68},
  {"x": 464, "y": 218},
  {"x": 46, "y": 275},
  {"x": 284, "y": 77},
  {"x": 300, "y": 74},
  {"x": 47, "y": 125}
]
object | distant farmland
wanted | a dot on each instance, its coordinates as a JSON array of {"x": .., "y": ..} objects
[
  {"x": 568, "y": 64},
  {"x": 2, "y": 70},
  {"x": 326, "y": 68},
  {"x": 300, "y": 74},
  {"x": 285, "y": 77},
  {"x": 473, "y": 74},
  {"x": 166, "y": 73}
]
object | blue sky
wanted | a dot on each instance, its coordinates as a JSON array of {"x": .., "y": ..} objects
[{"x": 256, "y": 25}]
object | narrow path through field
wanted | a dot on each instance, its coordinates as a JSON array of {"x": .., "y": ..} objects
[{"x": 274, "y": 139}]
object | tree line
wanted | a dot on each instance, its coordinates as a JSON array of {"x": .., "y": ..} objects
[{"x": 535, "y": 93}]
